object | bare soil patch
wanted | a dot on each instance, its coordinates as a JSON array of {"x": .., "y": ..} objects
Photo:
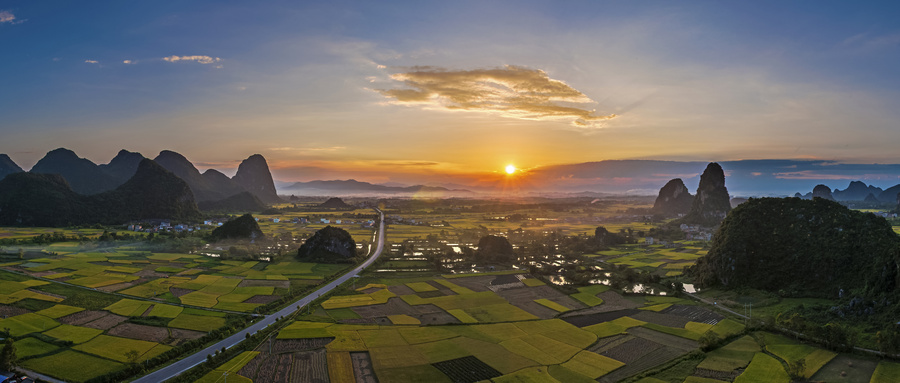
[
  {"x": 645, "y": 362},
  {"x": 694, "y": 313},
  {"x": 401, "y": 290},
  {"x": 40, "y": 274},
  {"x": 585, "y": 320},
  {"x": 148, "y": 310},
  {"x": 727, "y": 376},
  {"x": 310, "y": 367},
  {"x": 8, "y": 311},
  {"x": 362, "y": 367},
  {"x": 436, "y": 318},
  {"x": 150, "y": 274},
  {"x": 392, "y": 307},
  {"x": 178, "y": 333},
  {"x": 116, "y": 287},
  {"x": 140, "y": 332},
  {"x": 524, "y": 297},
  {"x": 296, "y": 345},
  {"x": 107, "y": 322},
  {"x": 262, "y": 299},
  {"x": 609, "y": 342},
  {"x": 83, "y": 317},
  {"x": 661, "y": 319},
  {"x": 431, "y": 294},
  {"x": 178, "y": 293},
  {"x": 477, "y": 284},
  {"x": 371, "y": 290},
  {"x": 258, "y": 282},
  {"x": 632, "y": 350},
  {"x": 672, "y": 341}
]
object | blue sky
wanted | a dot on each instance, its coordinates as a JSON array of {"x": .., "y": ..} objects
[{"x": 314, "y": 87}]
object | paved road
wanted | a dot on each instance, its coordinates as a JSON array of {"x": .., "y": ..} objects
[{"x": 188, "y": 362}]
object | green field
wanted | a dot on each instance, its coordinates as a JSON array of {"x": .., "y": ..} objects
[{"x": 72, "y": 366}]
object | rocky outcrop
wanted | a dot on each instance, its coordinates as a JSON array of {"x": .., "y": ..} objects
[
  {"x": 36, "y": 199},
  {"x": 802, "y": 248},
  {"x": 243, "y": 201},
  {"x": 673, "y": 199},
  {"x": 254, "y": 176},
  {"x": 496, "y": 249},
  {"x": 243, "y": 227},
  {"x": 7, "y": 166},
  {"x": 712, "y": 203},
  {"x": 123, "y": 166},
  {"x": 328, "y": 245},
  {"x": 822, "y": 191},
  {"x": 84, "y": 176},
  {"x": 335, "y": 203},
  {"x": 206, "y": 187},
  {"x": 856, "y": 191}
]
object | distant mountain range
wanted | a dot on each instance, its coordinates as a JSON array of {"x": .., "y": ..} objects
[{"x": 358, "y": 188}]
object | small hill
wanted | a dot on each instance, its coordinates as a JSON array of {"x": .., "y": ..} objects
[
  {"x": 871, "y": 199},
  {"x": 606, "y": 238},
  {"x": 84, "y": 176},
  {"x": 243, "y": 201},
  {"x": 802, "y": 247},
  {"x": 7, "y": 166},
  {"x": 243, "y": 227},
  {"x": 822, "y": 191},
  {"x": 328, "y": 245},
  {"x": 123, "y": 166},
  {"x": 254, "y": 176},
  {"x": 890, "y": 194},
  {"x": 220, "y": 183},
  {"x": 335, "y": 203},
  {"x": 712, "y": 202},
  {"x": 33, "y": 199},
  {"x": 492, "y": 248},
  {"x": 674, "y": 198}
]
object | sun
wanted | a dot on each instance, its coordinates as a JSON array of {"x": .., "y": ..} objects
[{"x": 510, "y": 169}]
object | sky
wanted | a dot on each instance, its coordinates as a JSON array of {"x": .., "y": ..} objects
[{"x": 430, "y": 92}]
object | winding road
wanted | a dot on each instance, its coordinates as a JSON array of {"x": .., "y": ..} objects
[{"x": 192, "y": 360}]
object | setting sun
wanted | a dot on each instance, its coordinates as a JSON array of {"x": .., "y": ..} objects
[{"x": 510, "y": 169}]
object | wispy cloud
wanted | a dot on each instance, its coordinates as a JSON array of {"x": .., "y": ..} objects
[
  {"x": 199, "y": 59},
  {"x": 312, "y": 149},
  {"x": 8, "y": 17},
  {"x": 91, "y": 61},
  {"x": 511, "y": 91},
  {"x": 128, "y": 62}
]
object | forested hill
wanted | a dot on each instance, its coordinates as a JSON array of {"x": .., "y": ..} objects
[{"x": 802, "y": 247}]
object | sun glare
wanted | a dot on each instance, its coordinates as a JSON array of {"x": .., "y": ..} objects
[{"x": 510, "y": 169}]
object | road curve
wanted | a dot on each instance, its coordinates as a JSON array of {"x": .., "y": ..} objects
[{"x": 192, "y": 360}]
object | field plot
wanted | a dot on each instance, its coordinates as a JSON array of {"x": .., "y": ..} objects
[
  {"x": 115, "y": 348},
  {"x": 763, "y": 368},
  {"x": 847, "y": 368},
  {"x": 467, "y": 369},
  {"x": 72, "y": 366},
  {"x": 28, "y": 347}
]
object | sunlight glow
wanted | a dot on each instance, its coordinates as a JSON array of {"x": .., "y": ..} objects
[{"x": 510, "y": 169}]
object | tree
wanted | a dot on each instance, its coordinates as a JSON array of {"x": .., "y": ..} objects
[
  {"x": 797, "y": 369},
  {"x": 132, "y": 356},
  {"x": 8, "y": 355}
]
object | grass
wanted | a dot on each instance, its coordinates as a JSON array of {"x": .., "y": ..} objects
[
  {"x": 763, "y": 368},
  {"x": 395, "y": 357},
  {"x": 28, "y": 347},
  {"x": 377, "y": 297},
  {"x": 727, "y": 327},
  {"x": 342, "y": 314},
  {"x": 72, "y": 366},
  {"x": 299, "y": 330},
  {"x": 886, "y": 372},
  {"x": 592, "y": 365},
  {"x": 421, "y": 287},
  {"x": 115, "y": 348},
  {"x": 382, "y": 338},
  {"x": 502, "y": 312},
  {"x": 588, "y": 295},
  {"x": 528, "y": 375},
  {"x": 340, "y": 368},
  {"x": 74, "y": 334},
  {"x": 129, "y": 307},
  {"x": 59, "y": 311},
  {"x": 419, "y": 373},
  {"x": 441, "y": 350},
  {"x": 551, "y": 305},
  {"x": 235, "y": 364},
  {"x": 563, "y": 374},
  {"x": 196, "y": 322},
  {"x": 166, "y": 311},
  {"x": 417, "y": 335},
  {"x": 462, "y": 316},
  {"x": 20, "y": 325},
  {"x": 614, "y": 327},
  {"x": 403, "y": 320},
  {"x": 732, "y": 356}
]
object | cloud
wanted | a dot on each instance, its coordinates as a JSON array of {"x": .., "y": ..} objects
[
  {"x": 510, "y": 91},
  {"x": 92, "y": 61},
  {"x": 8, "y": 17},
  {"x": 313, "y": 149},
  {"x": 199, "y": 59},
  {"x": 127, "y": 62}
]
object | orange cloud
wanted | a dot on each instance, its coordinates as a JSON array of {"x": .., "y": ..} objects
[{"x": 511, "y": 91}]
